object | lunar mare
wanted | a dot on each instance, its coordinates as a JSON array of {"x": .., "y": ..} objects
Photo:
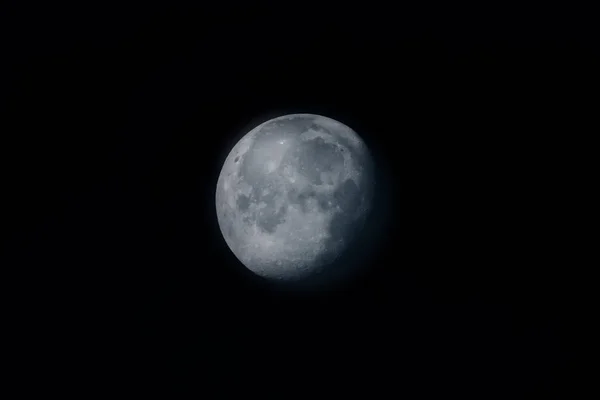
[{"x": 292, "y": 193}]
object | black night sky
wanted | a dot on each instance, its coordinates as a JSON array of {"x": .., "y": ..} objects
[{"x": 116, "y": 121}]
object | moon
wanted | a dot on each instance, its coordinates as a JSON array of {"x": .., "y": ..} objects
[{"x": 292, "y": 195}]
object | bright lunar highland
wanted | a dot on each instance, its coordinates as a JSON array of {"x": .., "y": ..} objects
[{"x": 292, "y": 194}]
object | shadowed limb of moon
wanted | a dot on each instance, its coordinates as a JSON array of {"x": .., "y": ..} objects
[{"x": 292, "y": 194}]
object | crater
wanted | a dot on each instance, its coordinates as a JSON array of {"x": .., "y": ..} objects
[{"x": 325, "y": 202}]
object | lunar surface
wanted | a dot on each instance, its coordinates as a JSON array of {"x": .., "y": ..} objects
[{"x": 292, "y": 194}]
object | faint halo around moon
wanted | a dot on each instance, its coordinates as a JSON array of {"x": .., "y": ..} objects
[{"x": 292, "y": 195}]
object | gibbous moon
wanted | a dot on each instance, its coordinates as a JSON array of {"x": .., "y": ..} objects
[{"x": 292, "y": 194}]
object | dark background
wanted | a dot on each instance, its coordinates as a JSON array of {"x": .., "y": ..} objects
[{"x": 116, "y": 121}]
